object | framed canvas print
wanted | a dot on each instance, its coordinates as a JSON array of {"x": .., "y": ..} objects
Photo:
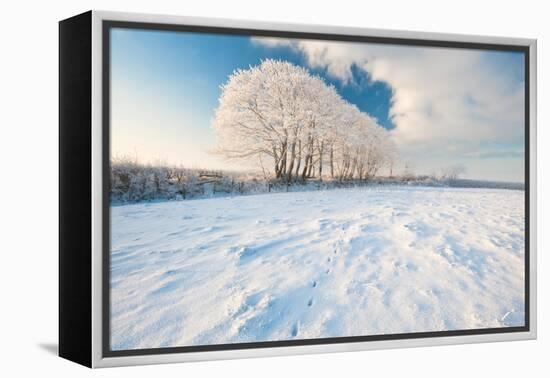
[{"x": 237, "y": 189}]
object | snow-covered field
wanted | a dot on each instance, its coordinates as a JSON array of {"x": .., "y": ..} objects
[{"x": 316, "y": 264}]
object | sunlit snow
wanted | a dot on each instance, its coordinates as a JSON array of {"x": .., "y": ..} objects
[{"x": 314, "y": 264}]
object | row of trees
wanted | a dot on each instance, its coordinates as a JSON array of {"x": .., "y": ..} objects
[
  {"x": 132, "y": 181},
  {"x": 278, "y": 114}
]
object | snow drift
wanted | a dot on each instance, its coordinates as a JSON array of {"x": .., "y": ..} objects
[{"x": 343, "y": 262}]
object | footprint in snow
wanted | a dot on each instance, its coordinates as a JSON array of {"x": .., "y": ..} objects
[{"x": 294, "y": 330}]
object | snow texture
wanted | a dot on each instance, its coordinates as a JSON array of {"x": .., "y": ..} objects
[{"x": 345, "y": 262}]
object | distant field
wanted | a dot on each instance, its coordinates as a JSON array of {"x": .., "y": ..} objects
[{"x": 311, "y": 264}]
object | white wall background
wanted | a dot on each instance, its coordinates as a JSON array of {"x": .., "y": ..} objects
[{"x": 28, "y": 190}]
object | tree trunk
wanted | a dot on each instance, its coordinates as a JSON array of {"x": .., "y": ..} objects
[
  {"x": 306, "y": 166},
  {"x": 282, "y": 161},
  {"x": 276, "y": 160},
  {"x": 331, "y": 161},
  {"x": 291, "y": 161},
  {"x": 345, "y": 167},
  {"x": 310, "y": 170},
  {"x": 308, "y": 160},
  {"x": 299, "y": 158},
  {"x": 321, "y": 161}
]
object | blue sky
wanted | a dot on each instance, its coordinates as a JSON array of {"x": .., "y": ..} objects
[{"x": 165, "y": 87}]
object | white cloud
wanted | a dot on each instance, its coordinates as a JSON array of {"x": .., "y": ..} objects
[
  {"x": 448, "y": 104},
  {"x": 273, "y": 42}
]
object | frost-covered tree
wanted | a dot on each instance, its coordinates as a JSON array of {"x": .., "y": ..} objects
[
  {"x": 259, "y": 114},
  {"x": 279, "y": 112},
  {"x": 452, "y": 173}
]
